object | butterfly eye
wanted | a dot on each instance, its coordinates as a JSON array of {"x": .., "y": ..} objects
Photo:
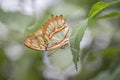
[{"x": 52, "y": 35}]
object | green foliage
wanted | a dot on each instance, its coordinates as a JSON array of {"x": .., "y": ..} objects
[
  {"x": 98, "y": 7},
  {"x": 75, "y": 38},
  {"x": 113, "y": 14},
  {"x": 79, "y": 30}
]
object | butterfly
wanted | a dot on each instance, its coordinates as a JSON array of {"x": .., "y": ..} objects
[{"x": 52, "y": 35}]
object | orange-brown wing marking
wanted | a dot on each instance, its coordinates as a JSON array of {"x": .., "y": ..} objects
[
  {"x": 54, "y": 25},
  {"x": 40, "y": 34},
  {"x": 34, "y": 43},
  {"x": 64, "y": 38},
  {"x": 62, "y": 43}
]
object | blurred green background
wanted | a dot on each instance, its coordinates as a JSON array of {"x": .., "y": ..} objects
[{"x": 100, "y": 46}]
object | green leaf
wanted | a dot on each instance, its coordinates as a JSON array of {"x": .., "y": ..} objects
[
  {"x": 75, "y": 38},
  {"x": 113, "y": 14},
  {"x": 99, "y": 6}
]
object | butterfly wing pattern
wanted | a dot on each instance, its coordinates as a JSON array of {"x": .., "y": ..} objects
[{"x": 52, "y": 35}]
